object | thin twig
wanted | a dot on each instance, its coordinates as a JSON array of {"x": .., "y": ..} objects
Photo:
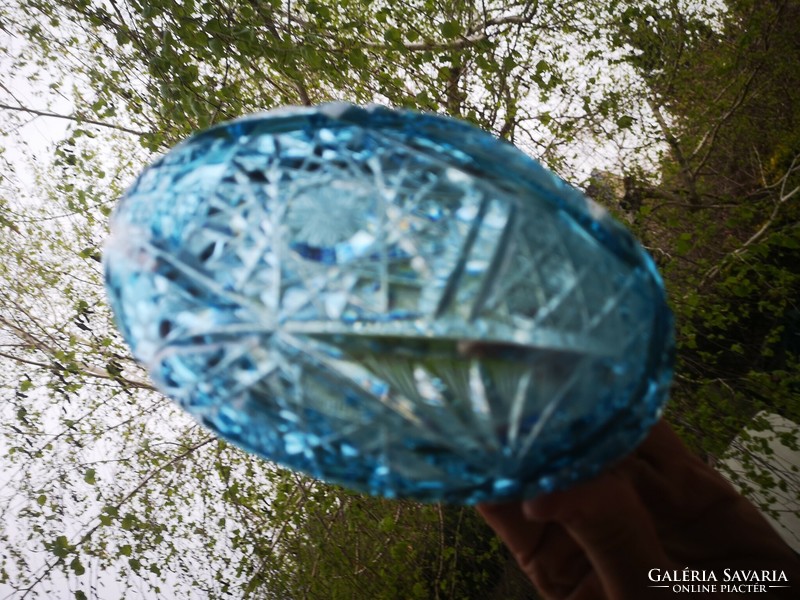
[
  {"x": 76, "y": 118},
  {"x": 783, "y": 197}
]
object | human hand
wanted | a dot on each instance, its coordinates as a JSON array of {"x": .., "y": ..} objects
[{"x": 660, "y": 508}]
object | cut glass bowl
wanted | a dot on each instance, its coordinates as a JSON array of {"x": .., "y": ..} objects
[{"x": 394, "y": 301}]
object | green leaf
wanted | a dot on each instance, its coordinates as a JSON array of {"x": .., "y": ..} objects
[
  {"x": 216, "y": 47},
  {"x": 450, "y": 29},
  {"x": 41, "y": 500},
  {"x": 443, "y": 74},
  {"x": 625, "y": 122},
  {"x": 684, "y": 243},
  {"x": 113, "y": 368},
  {"x": 314, "y": 59},
  {"x": 324, "y": 12},
  {"x": 89, "y": 476},
  {"x": 358, "y": 59},
  {"x": 123, "y": 37},
  {"x": 109, "y": 512},
  {"x": 393, "y": 36},
  {"x": 77, "y": 567},
  {"x": 129, "y": 521},
  {"x": 79, "y": 595},
  {"x": 61, "y": 547},
  {"x": 5, "y": 222},
  {"x": 387, "y": 524},
  {"x": 125, "y": 550}
]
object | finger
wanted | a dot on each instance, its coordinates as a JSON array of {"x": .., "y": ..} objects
[
  {"x": 552, "y": 560},
  {"x": 668, "y": 477},
  {"x": 589, "y": 588},
  {"x": 609, "y": 522},
  {"x": 520, "y": 534},
  {"x": 664, "y": 450},
  {"x": 692, "y": 506},
  {"x": 559, "y": 566},
  {"x": 661, "y": 443}
]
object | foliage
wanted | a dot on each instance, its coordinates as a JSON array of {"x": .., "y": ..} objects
[
  {"x": 109, "y": 489},
  {"x": 721, "y": 215},
  {"x": 397, "y": 550},
  {"x": 724, "y": 217}
]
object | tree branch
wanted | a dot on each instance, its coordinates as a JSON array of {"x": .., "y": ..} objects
[
  {"x": 710, "y": 136},
  {"x": 77, "y": 119},
  {"x": 677, "y": 151},
  {"x": 783, "y": 197},
  {"x": 466, "y": 41},
  {"x": 48, "y": 567},
  {"x": 86, "y": 369}
]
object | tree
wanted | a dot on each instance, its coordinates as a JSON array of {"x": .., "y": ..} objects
[
  {"x": 109, "y": 485},
  {"x": 723, "y": 216}
]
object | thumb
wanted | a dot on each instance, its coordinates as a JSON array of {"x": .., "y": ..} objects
[{"x": 608, "y": 520}]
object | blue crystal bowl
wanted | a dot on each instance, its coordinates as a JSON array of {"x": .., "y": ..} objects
[{"x": 394, "y": 301}]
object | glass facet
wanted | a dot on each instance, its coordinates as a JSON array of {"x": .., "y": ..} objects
[{"x": 394, "y": 301}]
